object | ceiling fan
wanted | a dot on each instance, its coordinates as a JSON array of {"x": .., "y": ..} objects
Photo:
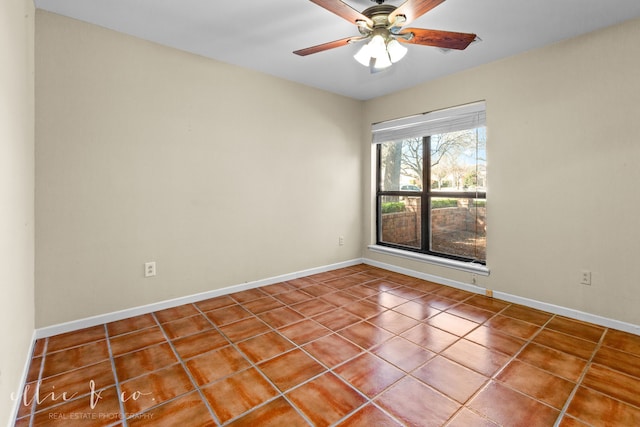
[{"x": 381, "y": 26}]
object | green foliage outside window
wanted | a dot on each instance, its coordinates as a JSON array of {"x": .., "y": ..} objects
[{"x": 391, "y": 207}]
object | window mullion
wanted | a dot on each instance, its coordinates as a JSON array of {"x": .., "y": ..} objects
[
  {"x": 426, "y": 189},
  {"x": 378, "y": 195}
]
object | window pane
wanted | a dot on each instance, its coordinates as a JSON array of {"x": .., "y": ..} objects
[
  {"x": 401, "y": 165},
  {"x": 458, "y": 161},
  {"x": 400, "y": 220},
  {"x": 458, "y": 227}
]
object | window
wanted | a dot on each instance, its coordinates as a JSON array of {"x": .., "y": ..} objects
[{"x": 431, "y": 183}]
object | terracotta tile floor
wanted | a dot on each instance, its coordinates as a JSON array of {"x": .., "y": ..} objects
[{"x": 359, "y": 346}]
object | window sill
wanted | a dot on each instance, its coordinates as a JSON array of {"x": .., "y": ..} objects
[{"x": 469, "y": 267}]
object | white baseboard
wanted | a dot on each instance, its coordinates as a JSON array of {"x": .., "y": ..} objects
[
  {"x": 149, "y": 308},
  {"x": 17, "y": 399},
  {"x": 100, "y": 319},
  {"x": 425, "y": 276},
  {"x": 570, "y": 312},
  {"x": 551, "y": 308}
]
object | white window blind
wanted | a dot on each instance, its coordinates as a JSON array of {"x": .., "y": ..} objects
[{"x": 454, "y": 119}]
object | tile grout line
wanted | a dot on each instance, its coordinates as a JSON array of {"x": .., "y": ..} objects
[
  {"x": 424, "y": 321},
  {"x": 32, "y": 411},
  {"x": 111, "y": 357},
  {"x": 563, "y": 411},
  {"x": 515, "y": 356},
  {"x": 230, "y": 343},
  {"x": 115, "y": 377},
  {"x": 368, "y": 400},
  {"x": 184, "y": 367},
  {"x": 502, "y": 368},
  {"x": 526, "y": 344},
  {"x": 529, "y": 341},
  {"x": 299, "y": 347},
  {"x": 368, "y": 351},
  {"x": 252, "y": 365},
  {"x": 463, "y": 405},
  {"x": 255, "y": 365},
  {"x": 154, "y": 371},
  {"x": 331, "y": 370}
]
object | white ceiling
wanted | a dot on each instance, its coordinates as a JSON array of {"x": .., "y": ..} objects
[{"x": 262, "y": 34}]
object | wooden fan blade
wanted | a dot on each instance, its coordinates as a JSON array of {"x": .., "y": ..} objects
[
  {"x": 413, "y": 9},
  {"x": 324, "y": 46},
  {"x": 437, "y": 38},
  {"x": 343, "y": 10}
]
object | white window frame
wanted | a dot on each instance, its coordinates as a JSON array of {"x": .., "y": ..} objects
[{"x": 453, "y": 119}]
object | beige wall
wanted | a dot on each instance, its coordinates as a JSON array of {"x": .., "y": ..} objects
[
  {"x": 563, "y": 152},
  {"x": 219, "y": 174},
  {"x": 16, "y": 195}
]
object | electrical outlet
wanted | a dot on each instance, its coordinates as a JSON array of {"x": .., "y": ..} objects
[
  {"x": 341, "y": 240},
  {"x": 149, "y": 269},
  {"x": 585, "y": 277}
]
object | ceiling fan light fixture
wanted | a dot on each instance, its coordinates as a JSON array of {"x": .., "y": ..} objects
[
  {"x": 382, "y": 62},
  {"x": 396, "y": 50},
  {"x": 363, "y": 55},
  {"x": 378, "y": 47},
  {"x": 381, "y": 51}
]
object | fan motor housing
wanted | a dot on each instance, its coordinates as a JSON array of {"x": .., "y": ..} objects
[
  {"x": 378, "y": 11},
  {"x": 379, "y": 15}
]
